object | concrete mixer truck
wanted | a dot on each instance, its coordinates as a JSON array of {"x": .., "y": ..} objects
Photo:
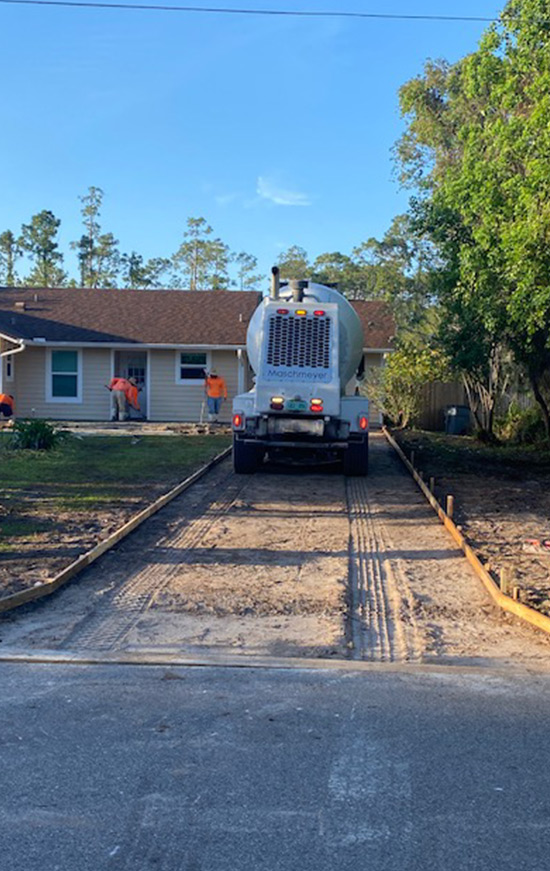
[{"x": 305, "y": 344}]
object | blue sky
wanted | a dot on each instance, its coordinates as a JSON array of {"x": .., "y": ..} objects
[{"x": 278, "y": 131}]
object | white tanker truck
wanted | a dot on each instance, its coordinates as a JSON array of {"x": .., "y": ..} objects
[{"x": 304, "y": 343}]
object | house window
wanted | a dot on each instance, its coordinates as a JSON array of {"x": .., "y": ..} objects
[
  {"x": 191, "y": 366},
  {"x": 64, "y": 376},
  {"x": 9, "y": 367}
]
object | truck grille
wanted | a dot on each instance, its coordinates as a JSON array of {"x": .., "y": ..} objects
[{"x": 302, "y": 342}]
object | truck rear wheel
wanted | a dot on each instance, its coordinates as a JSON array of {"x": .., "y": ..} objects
[
  {"x": 245, "y": 457},
  {"x": 356, "y": 459}
]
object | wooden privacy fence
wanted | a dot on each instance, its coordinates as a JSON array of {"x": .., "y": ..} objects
[{"x": 436, "y": 396}]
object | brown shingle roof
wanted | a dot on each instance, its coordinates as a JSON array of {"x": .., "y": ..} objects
[
  {"x": 377, "y": 321},
  {"x": 152, "y": 317}
]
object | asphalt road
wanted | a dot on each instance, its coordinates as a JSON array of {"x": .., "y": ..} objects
[{"x": 226, "y": 769}]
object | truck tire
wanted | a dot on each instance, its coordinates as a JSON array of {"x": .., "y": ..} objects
[
  {"x": 356, "y": 459},
  {"x": 245, "y": 457}
]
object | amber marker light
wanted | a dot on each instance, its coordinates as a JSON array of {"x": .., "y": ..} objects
[{"x": 300, "y": 312}]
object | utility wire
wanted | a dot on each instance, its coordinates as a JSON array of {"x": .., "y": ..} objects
[{"x": 89, "y": 4}]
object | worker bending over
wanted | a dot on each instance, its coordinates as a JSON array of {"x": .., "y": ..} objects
[
  {"x": 7, "y": 405},
  {"x": 215, "y": 389},
  {"x": 125, "y": 394}
]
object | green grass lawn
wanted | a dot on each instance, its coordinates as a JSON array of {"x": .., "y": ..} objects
[
  {"x": 54, "y": 505},
  {"x": 86, "y": 473}
]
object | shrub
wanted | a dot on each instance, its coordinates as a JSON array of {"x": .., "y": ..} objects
[
  {"x": 522, "y": 426},
  {"x": 35, "y": 435},
  {"x": 396, "y": 388}
]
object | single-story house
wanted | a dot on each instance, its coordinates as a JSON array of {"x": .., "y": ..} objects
[{"x": 59, "y": 347}]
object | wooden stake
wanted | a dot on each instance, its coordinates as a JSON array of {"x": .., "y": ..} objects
[
  {"x": 450, "y": 506},
  {"x": 432, "y": 485},
  {"x": 516, "y": 594},
  {"x": 412, "y": 459},
  {"x": 505, "y": 581}
]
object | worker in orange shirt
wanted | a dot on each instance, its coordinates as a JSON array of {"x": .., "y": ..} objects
[
  {"x": 7, "y": 405},
  {"x": 215, "y": 389},
  {"x": 125, "y": 394}
]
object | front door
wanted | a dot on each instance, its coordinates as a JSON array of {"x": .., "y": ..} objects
[{"x": 133, "y": 364}]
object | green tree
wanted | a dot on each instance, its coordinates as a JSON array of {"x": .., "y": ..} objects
[
  {"x": 10, "y": 252},
  {"x": 201, "y": 261},
  {"x": 39, "y": 241},
  {"x": 397, "y": 270},
  {"x": 216, "y": 275},
  {"x": 247, "y": 276},
  {"x": 98, "y": 255},
  {"x": 293, "y": 263},
  {"x": 477, "y": 147},
  {"x": 140, "y": 274},
  {"x": 340, "y": 269}
]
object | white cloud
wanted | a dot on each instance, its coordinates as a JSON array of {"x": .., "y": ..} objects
[
  {"x": 268, "y": 190},
  {"x": 226, "y": 199}
]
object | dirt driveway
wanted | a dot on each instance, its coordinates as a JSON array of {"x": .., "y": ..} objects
[{"x": 285, "y": 563}]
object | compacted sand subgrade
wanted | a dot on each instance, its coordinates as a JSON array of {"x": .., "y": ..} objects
[{"x": 284, "y": 563}]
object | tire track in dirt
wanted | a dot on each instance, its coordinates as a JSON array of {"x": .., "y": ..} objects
[
  {"x": 383, "y": 628},
  {"x": 111, "y": 621}
]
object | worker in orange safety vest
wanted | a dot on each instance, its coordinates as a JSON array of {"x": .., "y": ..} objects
[
  {"x": 215, "y": 389},
  {"x": 7, "y": 405},
  {"x": 125, "y": 394}
]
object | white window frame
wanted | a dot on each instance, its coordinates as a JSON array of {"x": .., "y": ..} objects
[
  {"x": 9, "y": 367},
  {"x": 191, "y": 382},
  {"x": 70, "y": 399}
]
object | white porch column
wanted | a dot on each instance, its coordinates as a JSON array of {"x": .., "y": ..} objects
[{"x": 240, "y": 371}]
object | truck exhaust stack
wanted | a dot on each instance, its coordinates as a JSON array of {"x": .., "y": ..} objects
[
  {"x": 297, "y": 288},
  {"x": 274, "y": 293}
]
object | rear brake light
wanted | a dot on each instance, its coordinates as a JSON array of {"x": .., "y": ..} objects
[
  {"x": 316, "y": 406},
  {"x": 238, "y": 421},
  {"x": 363, "y": 422},
  {"x": 282, "y": 311},
  {"x": 319, "y": 313}
]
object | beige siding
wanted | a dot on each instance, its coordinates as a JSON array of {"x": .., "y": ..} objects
[
  {"x": 168, "y": 400},
  {"x": 172, "y": 401},
  {"x": 373, "y": 360},
  {"x": 30, "y": 387}
]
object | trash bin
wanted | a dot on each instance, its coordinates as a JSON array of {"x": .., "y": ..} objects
[{"x": 457, "y": 420}]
